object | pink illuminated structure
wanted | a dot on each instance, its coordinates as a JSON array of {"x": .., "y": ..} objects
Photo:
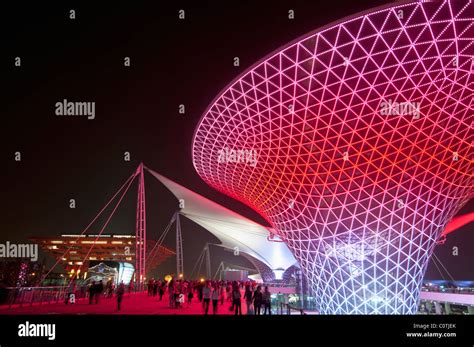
[{"x": 354, "y": 143}]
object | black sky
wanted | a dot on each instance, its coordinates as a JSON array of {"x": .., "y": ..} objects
[{"x": 172, "y": 62}]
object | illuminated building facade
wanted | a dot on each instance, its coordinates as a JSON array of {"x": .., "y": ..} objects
[{"x": 107, "y": 248}]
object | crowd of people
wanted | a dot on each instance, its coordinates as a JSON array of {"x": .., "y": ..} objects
[
  {"x": 96, "y": 290},
  {"x": 213, "y": 295}
]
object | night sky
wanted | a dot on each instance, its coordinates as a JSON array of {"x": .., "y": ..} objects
[{"x": 173, "y": 62}]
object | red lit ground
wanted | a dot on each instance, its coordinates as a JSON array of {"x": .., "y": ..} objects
[{"x": 137, "y": 303}]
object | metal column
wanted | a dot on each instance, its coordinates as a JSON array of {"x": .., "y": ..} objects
[
  {"x": 140, "y": 232},
  {"x": 179, "y": 249},
  {"x": 208, "y": 262}
]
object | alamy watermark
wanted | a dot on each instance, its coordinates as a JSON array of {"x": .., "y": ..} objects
[
  {"x": 394, "y": 108},
  {"x": 28, "y": 329},
  {"x": 19, "y": 250},
  {"x": 78, "y": 108},
  {"x": 244, "y": 156}
]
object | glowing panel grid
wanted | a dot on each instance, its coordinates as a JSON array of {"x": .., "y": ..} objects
[{"x": 362, "y": 137}]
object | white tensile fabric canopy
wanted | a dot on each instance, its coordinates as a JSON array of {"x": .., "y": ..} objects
[{"x": 232, "y": 229}]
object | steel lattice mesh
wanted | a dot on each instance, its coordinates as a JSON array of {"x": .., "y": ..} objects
[{"x": 359, "y": 196}]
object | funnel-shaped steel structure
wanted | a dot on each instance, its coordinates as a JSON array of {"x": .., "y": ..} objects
[{"x": 354, "y": 142}]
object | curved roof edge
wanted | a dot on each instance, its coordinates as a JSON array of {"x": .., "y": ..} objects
[
  {"x": 393, "y": 4},
  {"x": 232, "y": 229}
]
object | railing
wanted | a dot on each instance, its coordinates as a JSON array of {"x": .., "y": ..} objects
[
  {"x": 23, "y": 296},
  {"x": 29, "y": 296},
  {"x": 466, "y": 291},
  {"x": 460, "y": 299},
  {"x": 279, "y": 285},
  {"x": 288, "y": 309}
]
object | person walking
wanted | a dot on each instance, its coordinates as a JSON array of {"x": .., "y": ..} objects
[
  {"x": 200, "y": 288},
  {"x": 178, "y": 296},
  {"x": 206, "y": 297},
  {"x": 190, "y": 294},
  {"x": 120, "y": 293},
  {"x": 267, "y": 301},
  {"x": 222, "y": 294},
  {"x": 215, "y": 298},
  {"x": 92, "y": 289},
  {"x": 236, "y": 303},
  {"x": 257, "y": 300},
  {"x": 99, "y": 291},
  {"x": 162, "y": 290},
  {"x": 171, "y": 293},
  {"x": 109, "y": 289},
  {"x": 248, "y": 299},
  {"x": 228, "y": 290}
]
